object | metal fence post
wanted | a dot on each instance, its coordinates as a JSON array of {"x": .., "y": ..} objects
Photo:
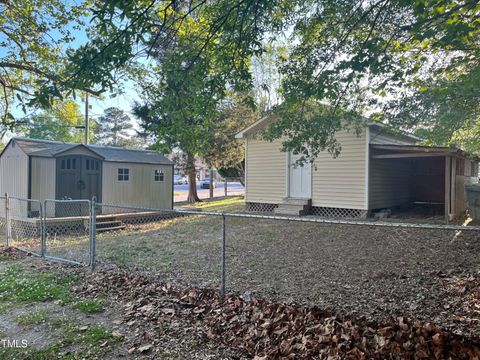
[
  {"x": 43, "y": 232},
  {"x": 225, "y": 187},
  {"x": 93, "y": 231},
  {"x": 222, "y": 279},
  {"x": 8, "y": 220}
]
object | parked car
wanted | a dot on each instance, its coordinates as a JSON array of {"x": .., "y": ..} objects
[
  {"x": 205, "y": 184},
  {"x": 180, "y": 180}
]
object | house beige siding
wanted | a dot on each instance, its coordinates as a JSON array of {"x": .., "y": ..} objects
[
  {"x": 14, "y": 172},
  {"x": 379, "y": 137},
  {"x": 140, "y": 190},
  {"x": 390, "y": 182},
  {"x": 266, "y": 171},
  {"x": 43, "y": 178},
  {"x": 341, "y": 182}
]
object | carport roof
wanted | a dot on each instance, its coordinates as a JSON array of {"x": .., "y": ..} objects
[
  {"x": 397, "y": 150},
  {"x": 47, "y": 148}
]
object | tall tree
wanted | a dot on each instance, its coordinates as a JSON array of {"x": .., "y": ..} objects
[
  {"x": 114, "y": 126},
  {"x": 62, "y": 122},
  {"x": 222, "y": 150},
  {"x": 180, "y": 110}
]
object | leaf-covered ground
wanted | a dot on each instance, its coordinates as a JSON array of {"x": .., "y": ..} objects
[
  {"x": 142, "y": 317},
  {"x": 360, "y": 270}
]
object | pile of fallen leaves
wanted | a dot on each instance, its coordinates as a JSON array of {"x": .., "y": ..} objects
[
  {"x": 464, "y": 299},
  {"x": 267, "y": 330}
]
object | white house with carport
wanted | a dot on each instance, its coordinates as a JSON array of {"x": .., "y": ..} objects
[
  {"x": 376, "y": 169},
  {"x": 41, "y": 169}
]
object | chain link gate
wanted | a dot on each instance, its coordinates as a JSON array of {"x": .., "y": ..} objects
[{"x": 68, "y": 230}]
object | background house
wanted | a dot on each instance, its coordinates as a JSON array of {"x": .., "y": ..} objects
[
  {"x": 40, "y": 169},
  {"x": 375, "y": 170}
]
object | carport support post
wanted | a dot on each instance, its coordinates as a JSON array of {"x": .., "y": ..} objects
[
  {"x": 222, "y": 277},
  {"x": 8, "y": 220}
]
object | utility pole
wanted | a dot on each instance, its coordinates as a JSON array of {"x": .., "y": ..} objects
[{"x": 87, "y": 122}]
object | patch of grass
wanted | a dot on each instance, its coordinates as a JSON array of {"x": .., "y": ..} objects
[
  {"x": 49, "y": 352},
  {"x": 32, "y": 318},
  {"x": 89, "y": 306},
  {"x": 233, "y": 204},
  {"x": 96, "y": 334},
  {"x": 18, "y": 285},
  {"x": 4, "y": 308}
]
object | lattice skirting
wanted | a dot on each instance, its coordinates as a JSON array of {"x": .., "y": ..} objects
[
  {"x": 260, "y": 207},
  {"x": 338, "y": 212}
]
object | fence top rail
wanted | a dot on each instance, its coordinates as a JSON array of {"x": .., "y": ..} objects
[
  {"x": 303, "y": 219},
  {"x": 86, "y": 201},
  {"x": 24, "y": 199}
]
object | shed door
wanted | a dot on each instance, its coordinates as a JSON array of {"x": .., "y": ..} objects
[
  {"x": 68, "y": 177},
  {"x": 92, "y": 178},
  {"x": 78, "y": 177},
  {"x": 300, "y": 177}
]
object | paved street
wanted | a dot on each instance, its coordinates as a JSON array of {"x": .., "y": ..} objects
[{"x": 233, "y": 188}]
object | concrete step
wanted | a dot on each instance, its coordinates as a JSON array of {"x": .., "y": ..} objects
[
  {"x": 113, "y": 225},
  {"x": 290, "y": 212},
  {"x": 287, "y": 207},
  {"x": 297, "y": 201},
  {"x": 108, "y": 229}
]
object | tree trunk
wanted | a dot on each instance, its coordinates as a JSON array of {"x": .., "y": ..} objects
[
  {"x": 241, "y": 172},
  {"x": 192, "y": 180},
  {"x": 210, "y": 175}
]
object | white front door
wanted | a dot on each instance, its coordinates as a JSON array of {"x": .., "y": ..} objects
[{"x": 300, "y": 178}]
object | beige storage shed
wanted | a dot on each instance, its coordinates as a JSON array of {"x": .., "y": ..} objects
[
  {"x": 41, "y": 169},
  {"x": 376, "y": 169}
]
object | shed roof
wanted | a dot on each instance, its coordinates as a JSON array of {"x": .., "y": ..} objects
[{"x": 47, "y": 148}]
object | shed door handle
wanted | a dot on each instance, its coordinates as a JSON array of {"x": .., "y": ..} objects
[{"x": 81, "y": 185}]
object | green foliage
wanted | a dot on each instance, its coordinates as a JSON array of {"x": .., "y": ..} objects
[
  {"x": 222, "y": 150},
  {"x": 57, "y": 123},
  {"x": 35, "y": 36},
  {"x": 32, "y": 318},
  {"x": 413, "y": 64},
  {"x": 16, "y": 285},
  {"x": 89, "y": 306},
  {"x": 312, "y": 126},
  {"x": 408, "y": 61},
  {"x": 62, "y": 122}
]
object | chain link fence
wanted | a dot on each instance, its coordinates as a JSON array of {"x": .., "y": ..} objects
[
  {"x": 364, "y": 267},
  {"x": 24, "y": 224},
  {"x": 3, "y": 220},
  {"x": 68, "y": 225},
  {"x": 165, "y": 242}
]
